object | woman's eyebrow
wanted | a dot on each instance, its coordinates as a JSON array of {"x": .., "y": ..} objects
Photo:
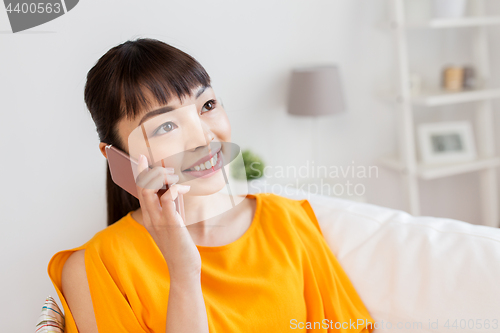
[
  {"x": 153, "y": 113},
  {"x": 201, "y": 90},
  {"x": 166, "y": 109}
]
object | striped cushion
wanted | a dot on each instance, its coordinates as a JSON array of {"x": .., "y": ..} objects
[{"x": 51, "y": 319}]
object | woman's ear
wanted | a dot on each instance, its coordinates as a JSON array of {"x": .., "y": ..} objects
[{"x": 102, "y": 146}]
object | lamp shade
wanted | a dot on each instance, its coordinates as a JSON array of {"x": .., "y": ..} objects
[{"x": 315, "y": 91}]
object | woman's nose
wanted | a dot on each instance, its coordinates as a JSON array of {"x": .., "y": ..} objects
[{"x": 200, "y": 135}]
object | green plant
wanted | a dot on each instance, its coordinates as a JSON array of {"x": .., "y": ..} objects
[{"x": 254, "y": 167}]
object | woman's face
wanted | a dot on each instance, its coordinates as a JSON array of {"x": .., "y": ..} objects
[{"x": 182, "y": 136}]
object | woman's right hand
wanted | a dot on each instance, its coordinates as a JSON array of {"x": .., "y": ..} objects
[{"x": 164, "y": 223}]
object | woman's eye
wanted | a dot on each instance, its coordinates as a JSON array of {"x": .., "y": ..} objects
[
  {"x": 165, "y": 128},
  {"x": 210, "y": 105}
]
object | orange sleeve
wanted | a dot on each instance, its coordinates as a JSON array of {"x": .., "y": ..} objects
[
  {"x": 111, "y": 309},
  {"x": 342, "y": 304}
]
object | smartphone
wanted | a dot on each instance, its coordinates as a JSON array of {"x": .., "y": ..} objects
[{"x": 122, "y": 168}]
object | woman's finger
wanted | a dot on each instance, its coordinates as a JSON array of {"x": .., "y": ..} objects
[
  {"x": 144, "y": 178},
  {"x": 149, "y": 203},
  {"x": 156, "y": 183},
  {"x": 142, "y": 164},
  {"x": 168, "y": 204},
  {"x": 150, "y": 197}
]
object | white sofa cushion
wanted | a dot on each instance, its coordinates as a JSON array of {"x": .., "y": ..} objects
[{"x": 414, "y": 274}]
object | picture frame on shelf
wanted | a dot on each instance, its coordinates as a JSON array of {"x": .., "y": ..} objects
[{"x": 446, "y": 142}]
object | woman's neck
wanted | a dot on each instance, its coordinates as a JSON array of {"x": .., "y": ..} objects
[{"x": 204, "y": 214}]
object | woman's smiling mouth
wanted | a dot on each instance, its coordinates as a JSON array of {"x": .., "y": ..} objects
[{"x": 206, "y": 168}]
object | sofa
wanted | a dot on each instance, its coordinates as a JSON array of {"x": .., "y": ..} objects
[{"x": 414, "y": 273}]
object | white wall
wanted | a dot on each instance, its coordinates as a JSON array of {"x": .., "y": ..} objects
[{"x": 53, "y": 198}]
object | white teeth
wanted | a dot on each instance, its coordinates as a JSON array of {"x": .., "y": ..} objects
[{"x": 207, "y": 165}]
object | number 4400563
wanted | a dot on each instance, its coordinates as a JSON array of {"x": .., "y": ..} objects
[
  {"x": 32, "y": 8},
  {"x": 477, "y": 324}
]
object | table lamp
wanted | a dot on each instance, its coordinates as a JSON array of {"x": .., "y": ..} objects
[{"x": 315, "y": 91}]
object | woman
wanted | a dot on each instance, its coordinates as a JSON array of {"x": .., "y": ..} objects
[{"x": 268, "y": 269}]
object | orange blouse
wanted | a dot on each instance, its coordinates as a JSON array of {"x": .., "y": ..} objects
[{"x": 279, "y": 276}]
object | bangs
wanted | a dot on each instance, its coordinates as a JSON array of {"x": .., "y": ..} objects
[{"x": 157, "y": 71}]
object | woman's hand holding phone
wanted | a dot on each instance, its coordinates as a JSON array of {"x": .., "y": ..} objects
[{"x": 164, "y": 223}]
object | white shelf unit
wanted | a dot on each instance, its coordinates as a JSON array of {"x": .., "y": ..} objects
[
  {"x": 408, "y": 165},
  {"x": 428, "y": 172},
  {"x": 447, "y": 98},
  {"x": 456, "y": 22}
]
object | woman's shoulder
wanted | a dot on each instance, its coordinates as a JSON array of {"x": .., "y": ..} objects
[
  {"x": 106, "y": 240},
  {"x": 280, "y": 202},
  {"x": 67, "y": 269},
  {"x": 298, "y": 211},
  {"x": 122, "y": 232},
  {"x": 277, "y": 200}
]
